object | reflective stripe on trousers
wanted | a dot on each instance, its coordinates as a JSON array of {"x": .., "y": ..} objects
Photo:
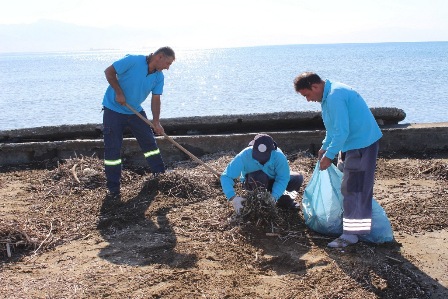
[
  {"x": 151, "y": 153},
  {"x": 112, "y": 162},
  {"x": 114, "y": 124}
]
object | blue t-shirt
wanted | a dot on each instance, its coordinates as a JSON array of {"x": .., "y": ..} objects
[
  {"x": 348, "y": 121},
  {"x": 136, "y": 83},
  {"x": 276, "y": 168}
]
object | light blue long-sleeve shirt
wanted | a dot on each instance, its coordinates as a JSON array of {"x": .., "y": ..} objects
[
  {"x": 276, "y": 168},
  {"x": 348, "y": 121}
]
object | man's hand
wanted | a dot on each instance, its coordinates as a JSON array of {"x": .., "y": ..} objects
[
  {"x": 158, "y": 129},
  {"x": 321, "y": 153},
  {"x": 272, "y": 199},
  {"x": 237, "y": 203},
  {"x": 324, "y": 163},
  {"x": 120, "y": 99},
  {"x": 111, "y": 77}
]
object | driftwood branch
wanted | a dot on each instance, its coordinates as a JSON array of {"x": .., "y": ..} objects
[{"x": 74, "y": 173}]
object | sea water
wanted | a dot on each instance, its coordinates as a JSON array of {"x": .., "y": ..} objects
[{"x": 48, "y": 89}]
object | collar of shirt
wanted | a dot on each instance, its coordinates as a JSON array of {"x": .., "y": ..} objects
[{"x": 327, "y": 88}]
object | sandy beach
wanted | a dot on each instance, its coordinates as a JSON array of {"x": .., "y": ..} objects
[{"x": 172, "y": 236}]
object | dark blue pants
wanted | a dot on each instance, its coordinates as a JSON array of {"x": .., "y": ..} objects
[
  {"x": 357, "y": 189},
  {"x": 114, "y": 124},
  {"x": 260, "y": 179}
]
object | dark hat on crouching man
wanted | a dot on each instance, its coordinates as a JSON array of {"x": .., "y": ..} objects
[{"x": 262, "y": 146}]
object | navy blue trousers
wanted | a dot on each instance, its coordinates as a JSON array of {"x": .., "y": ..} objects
[
  {"x": 357, "y": 189},
  {"x": 114, "y": 124}
]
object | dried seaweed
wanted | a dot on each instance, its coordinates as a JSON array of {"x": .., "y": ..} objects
[
  {"x": 190, "y": 216},
  {"x": 16, "y": 236},
  {"x": 259, "y": 208}
]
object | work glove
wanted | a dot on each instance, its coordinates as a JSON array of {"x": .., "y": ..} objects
[
  {"x": 267, "y": 198},
  {"x": 272, "y": 199},
  {"x": 237, "y": 203}
]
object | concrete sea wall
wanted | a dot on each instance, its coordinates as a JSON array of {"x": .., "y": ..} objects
[{"x": 407, "y": 138}]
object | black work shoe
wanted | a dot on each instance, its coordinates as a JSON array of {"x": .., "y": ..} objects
[
  {"x": 287, "y": 203},
  {"x": 114, "y": 195},
  {"x": 295, "y": 206}
]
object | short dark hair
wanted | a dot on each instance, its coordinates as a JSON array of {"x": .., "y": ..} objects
[
  {"x": 305, "y": 80},
  {"x": 167, "y": 51}
]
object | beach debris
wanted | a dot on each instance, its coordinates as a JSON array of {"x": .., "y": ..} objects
[{"x": 259, "y": 207}]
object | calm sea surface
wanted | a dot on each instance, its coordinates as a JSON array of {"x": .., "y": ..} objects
[{"x": 46, "y": 89}]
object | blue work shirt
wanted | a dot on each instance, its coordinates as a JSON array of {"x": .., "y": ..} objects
[
  {"x": 348, "y": 121},
  {"x": 136, "y": 83},
  {"x": 276, "y": 168}
]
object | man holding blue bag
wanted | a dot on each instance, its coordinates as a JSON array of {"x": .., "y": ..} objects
[{"x": 350, "y": 128}]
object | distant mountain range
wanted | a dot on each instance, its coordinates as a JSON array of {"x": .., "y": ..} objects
[{"x": 44, "y": 35}]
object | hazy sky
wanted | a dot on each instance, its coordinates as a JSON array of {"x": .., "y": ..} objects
[{"x": 234, "y": 23}]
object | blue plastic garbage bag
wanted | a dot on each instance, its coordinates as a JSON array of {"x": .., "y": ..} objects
[
  {"x": 381, "y": 231},
  {"x": 322, "y": 207},
  {"x": 322, "y": 201}
]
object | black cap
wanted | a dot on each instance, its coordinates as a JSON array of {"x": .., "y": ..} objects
[{"x": 262, "y": 146}]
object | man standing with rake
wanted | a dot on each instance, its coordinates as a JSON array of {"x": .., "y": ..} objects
[{"x": 131, "y": 79}]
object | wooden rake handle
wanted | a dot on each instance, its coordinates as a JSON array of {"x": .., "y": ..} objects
[{"x": 174, "y": 142}]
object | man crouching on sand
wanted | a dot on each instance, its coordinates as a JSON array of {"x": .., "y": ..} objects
[{"x": 262, "y": 164}]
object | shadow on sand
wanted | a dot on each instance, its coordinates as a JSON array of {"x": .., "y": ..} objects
[
  {"x": 384, "y": 271},
  {"x": 139, "y": 238},
  {"x": 380, "y": 269}
]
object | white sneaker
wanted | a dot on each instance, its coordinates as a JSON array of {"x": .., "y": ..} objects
[{"x": 343, "y": 241}]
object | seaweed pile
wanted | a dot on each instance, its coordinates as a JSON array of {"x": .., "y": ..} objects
[{"x": 176, "y": 236}]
